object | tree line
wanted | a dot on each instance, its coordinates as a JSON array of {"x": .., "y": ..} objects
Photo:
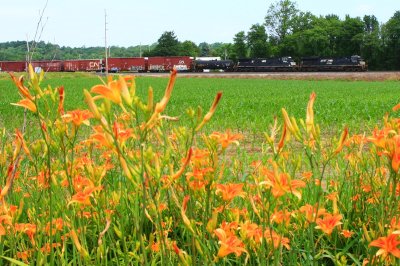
[{"x": 285, "y": 31}]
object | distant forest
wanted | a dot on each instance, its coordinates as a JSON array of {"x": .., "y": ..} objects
[{"x": 286, "y": 31}]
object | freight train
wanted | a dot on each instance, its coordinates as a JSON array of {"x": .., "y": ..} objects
[{"x": 190, "y": 64}]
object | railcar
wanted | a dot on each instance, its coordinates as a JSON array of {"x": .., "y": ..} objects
[
  {"x": 83, "y": 65},
  {"x": 12, "y": 66},
  {"x": 201, "y": 65},
  {"x": 126, "y": 64},
  {"x": 167, "y": 63},
  {"x": 48, "y": 66}
]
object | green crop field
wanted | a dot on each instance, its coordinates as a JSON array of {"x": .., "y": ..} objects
[{"x": 247, "y": 104}]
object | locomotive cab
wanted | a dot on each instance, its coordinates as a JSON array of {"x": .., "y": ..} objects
[{"x": 359, "y": 61}]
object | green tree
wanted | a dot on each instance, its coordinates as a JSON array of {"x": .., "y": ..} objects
[
  {"x": 391, "y": 38},
  {"x": 239, "y": 46},
  {"x": 351, "y": 36},
  {"x": 205, "y": 49},
  {"x": 225, "y": 51},
  {"x": 310, "y": 42},
  {"x": 280, "y": 19},
  {"x": 333, "y": 26},
  {"x": 303, "y": 21},
  {"x": 257, "y": 41},
  {"x": 298, "y": 43},
  {"x": 189, "y": 48},
  {"x": 167, "y": 45},
  {"x": 372, "y": 46}
]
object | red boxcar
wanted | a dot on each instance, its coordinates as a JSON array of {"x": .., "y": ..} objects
[
  {"x": 48, "y": 66},
  {"x": 163, "y": 64},
  {"x": 12, "y": 66},
  {"x": 134, "y": 64},
  {"x": 83, "y": 65}
]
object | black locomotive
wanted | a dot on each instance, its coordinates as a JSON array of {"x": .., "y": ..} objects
[
  {"x": 353, "y": 63},
  {"x": 279, "y": 64},
  {"x": 283, "y": 64}
]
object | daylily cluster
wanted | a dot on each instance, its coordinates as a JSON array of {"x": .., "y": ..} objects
[{"x": 119, "y": 183}]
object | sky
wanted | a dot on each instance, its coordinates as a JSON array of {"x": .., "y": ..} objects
[{"x": 78, "y": 23}]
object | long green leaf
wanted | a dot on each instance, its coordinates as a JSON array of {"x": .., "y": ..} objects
[{"x": 14, "y": 261}]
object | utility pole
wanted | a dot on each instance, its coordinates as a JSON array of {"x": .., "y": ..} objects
[{"x": 105, "y": 40}]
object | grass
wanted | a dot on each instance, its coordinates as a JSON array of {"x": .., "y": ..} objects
[{"x": 248, "y": 105}]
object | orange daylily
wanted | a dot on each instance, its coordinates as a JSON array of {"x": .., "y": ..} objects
[
  {"x": 281, "y": 217},
  {"x": 379, "y": 137},
  {"x": 387, "y": 245},
  {"x": 78, "y": 117},
  {"x": 196, "y": 178},
  {"x": 28, "y": 100},
  {"x": 328, "y": 222},
  {"x": 104, "y": 138},
  {"x": 28, "y": 229},
  {"x": 225, "y": 139},
  {"x": 20, "y": 85},
  {"x": 155, "y": 247},
  {"x": 120, "y": 133},
  {"x": 307, "y": 175},
  {"x": 229, "y": 243},
  {"x": 230, "y": 191},
  {"x": 57, "y": 225},
  {"x": 20, "y": 143},
  {"x": 27, "y": 103},
  {"x": 7, "y": 220},
  {"x": 276, "y": 240},
  {"x": 229, "y": 227},
  {"x": 83, "y": 197},
  {"x": 47, "y": 247},
  {"x": 200, "y": 157},
  {"x": 311, "y": 212},
  {"x": 110, "y": 91},
  {"x": 24, "y": 255},
  {"x": 347, "y": 233},
  {"x": 281, "y": 184},
  {"x": 80, "y": 183},
  {"x": 252, "y": 231},
  {"x": 332, "y": 196}
]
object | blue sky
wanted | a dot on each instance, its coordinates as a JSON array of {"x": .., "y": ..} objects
[{"x": 80, "y": 23}]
